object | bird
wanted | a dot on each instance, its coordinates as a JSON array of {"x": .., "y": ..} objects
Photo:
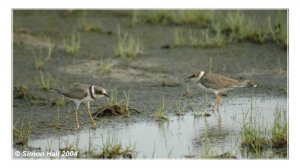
[
  {"x": 83, "y": 93},
  {"x": 216, "y": 84}
]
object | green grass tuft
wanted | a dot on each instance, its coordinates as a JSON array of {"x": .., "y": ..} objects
[
  {"x": 160, "y": 113},
  {"x": 171, "y": 17},
  {"x": 105, "y": 66},
  {"x": 193, "y": 17},
  {"x": 40, "y": 62},
  {"x": 128, "y": 47},
  {"x": 72, "y": 45},
  {"x": 59, "y": 102},
  {"x": 253, "y": 133},
  {"x": 178, "y": 38},
  {"x": 280, "y": 29},
  {"x": 22, "y": 131},
  {"x": 256, "y": 138},
  {"x": 86, "y": 26},
  {"x": 113, "y": 149},
  {"x": 22, "y": 90},
  {"x": 279, "y": 129},
  {"x": 46, "y": 82}
]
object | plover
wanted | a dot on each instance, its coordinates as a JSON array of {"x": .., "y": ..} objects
[
  {"x": 83, "y": 93},
  {"x": 217, "y": 84}
]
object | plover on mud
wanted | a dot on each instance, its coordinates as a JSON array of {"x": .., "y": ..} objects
[
  {"x": 80, "y": 93},
  {"x": 217, "y": 84}
]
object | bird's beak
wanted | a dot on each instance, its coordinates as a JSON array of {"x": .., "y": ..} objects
[
  {"x": 105, "y": 94},
  {"x": 188, "y": 79}
]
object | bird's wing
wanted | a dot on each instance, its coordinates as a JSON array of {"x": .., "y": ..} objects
[
  {"x": 74, "y": 92},
  {"x": 216, "y": 81}
]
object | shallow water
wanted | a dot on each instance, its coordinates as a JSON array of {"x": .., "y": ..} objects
[{"x": 184, "y": 136}]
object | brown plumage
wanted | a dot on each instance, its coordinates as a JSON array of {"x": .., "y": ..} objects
[
  {"x": 78, "y": 91},
  {"x": 217, "y": 83}
]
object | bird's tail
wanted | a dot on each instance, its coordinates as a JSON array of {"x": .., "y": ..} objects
[{"x": 248, "y": 83}]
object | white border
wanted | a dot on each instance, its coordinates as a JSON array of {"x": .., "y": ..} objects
[{"x": 6, "y": 72}]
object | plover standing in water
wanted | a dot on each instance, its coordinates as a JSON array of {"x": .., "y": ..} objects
[
  {"x": 217, "y": 84},
  {"x": 83, "y": 93}
]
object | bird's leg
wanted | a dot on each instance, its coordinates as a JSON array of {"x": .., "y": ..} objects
[
  {"x": 76, "y": 115},
  {"x": 218, "y": 101},
  {"x": 215, "y": 107},
  {"x": 88, "y": 108}
]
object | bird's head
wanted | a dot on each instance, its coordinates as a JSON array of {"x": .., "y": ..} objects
[
  {"x": 100, "y": 92},
  {"x": 195, "y": 77}
]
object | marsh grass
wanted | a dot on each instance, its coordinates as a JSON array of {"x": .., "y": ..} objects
[
  {"x": 208, "y": 139},
  {"x": 203, "y": 38},
  {"x": 279, "y": 29},
  {"x": 59, "y": 102},
  {"x": 134, "y": 18},
  {"x": 105, "y": 66},
  {"x": 47, "y": 81},
  {"x": 219, "y": 38},
  {"x": 72, "y": 44},
  {"x": 87, "y": 26},
  {"x": 21, "y": 136},
  {"x": 234, "y": 27},
  {"x": 253, "y": 134},
  {"x": 242, "y": 28},
  {"x": 178, "y": 39},
  {"x": 22, "y": 131},
  {"x": 205, "y": 113},
  {"x": 40, "y": 61},
  {"x": 126, "y": 103},
  {"x": 116, "y": 151},
  {"x": 217, "y": 30},
  {"x": 113, "y": 149},
  {"x": 161, "y": 112},
  {"x": 279, "y": 129},
  {"x": 115, "y": 107},
  {"x": 153, "y": 17},
  {"x": 23, "y": 91},
  {"x": 233, "y": 21},
  {"x": 170, "y": 17},
  {"x": 69, "y": 146},
  {"x": 253, "y": 138},
  {"x": 192, "y": 17},
  {"x": 209, "y": 38},
  {"x": 128, "y": 46},
  {"x": 257, "y": 140},
  {"x": 179, "y": 110},
  {"x": 251, "y": 32}
]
